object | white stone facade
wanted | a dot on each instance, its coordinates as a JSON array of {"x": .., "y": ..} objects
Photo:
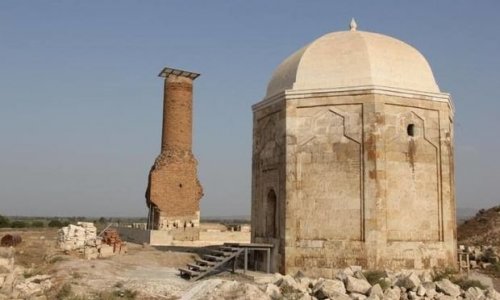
[{"x": 361, "y": 175}]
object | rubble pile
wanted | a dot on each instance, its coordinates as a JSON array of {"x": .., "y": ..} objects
[
  {"x": 75, "y": 237},
  {"x": 14, "y": 285},
  {"x": 7, "y": 272},
  {"x": 482, "y": 257},
  {"x": 224, "y": 289},
  {"x": 348, "y": 284},
  {"x": 83, "y": 238},
  {"x": 482, "y": 229},
  {"x": 111, "y": 238}
]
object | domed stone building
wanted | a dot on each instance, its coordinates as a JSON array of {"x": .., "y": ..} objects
[{"x": 353, "y": 159}]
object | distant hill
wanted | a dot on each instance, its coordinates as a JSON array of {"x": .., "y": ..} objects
[
  {"x": 465, "y": 213},
  {"x": 482, "y": 229}
]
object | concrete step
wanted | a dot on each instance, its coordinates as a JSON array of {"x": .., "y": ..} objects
[
  {"x": 213, "y": 258},
  {"x": 205, "y": 262},
  {"x": 188, "y": 273},
  {"x": 197, "y": 267},
  {"x": 229, "y": 249},
  {"x": 221, "y": 253}
]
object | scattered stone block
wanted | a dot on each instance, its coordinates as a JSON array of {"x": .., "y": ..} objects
[
  {"x": 392, "y": 294},
  {"x": 273, "y": 291},
  {"x": 447, "y": 287},
  {"x": 357, "y": 296},
  {"x": 376, "y": 290},
  {"x": 492, "y": 294},
  {"x": 421, "y": 291},
  {"x": 474, "y": 293},
  {"x": 305, "y": 283},
  {"x": 10, "y": 281},
  {"x": 306, "y": 296},
  {"x": 33, "y": 286},
  {"x": 441, "y": 296},
  {"x": 90, "y": 253},
  {"x": 359, "y": 275},
  {"x": 355, "y": 285},
  {"x": 268, "y": 278},
  {"x": 355, "y": 269},
  {"x": 426, "y": 276},
  {"x": 6, "y": 260},
  {"x": 106, "y": 251},
  {"x": 473, "y": 264},
  {"x": 329, "y": 288},
  {"x": 430, "y": 293},
  {"x": 288, "y": 282},
  {"x": 429, "y": 285},
  {"x": 342, "y": 274},
  {"x": 410, "y": 282},
  {"x": 412, "y": 295},
  {"x": 74, "y": 237}
]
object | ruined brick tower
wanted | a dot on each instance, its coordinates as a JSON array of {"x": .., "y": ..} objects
[{"x": 174, "y": 192}]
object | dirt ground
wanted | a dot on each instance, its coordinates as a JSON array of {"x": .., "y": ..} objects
[{"x": 144, "y": 272}]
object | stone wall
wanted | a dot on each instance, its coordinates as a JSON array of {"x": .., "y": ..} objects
[
  {"x": 158, "y": 237},
  {"x": 368, "y": 180},
  {"x": 268, "y": 177}
]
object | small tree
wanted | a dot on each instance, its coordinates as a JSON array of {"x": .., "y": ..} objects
[{"x": 4, "y": 222}]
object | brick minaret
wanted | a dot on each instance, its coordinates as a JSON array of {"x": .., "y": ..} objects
[{"x": 174, "y": 192}]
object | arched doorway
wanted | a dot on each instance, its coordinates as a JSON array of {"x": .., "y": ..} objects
[{"x": 271, "y": 216}]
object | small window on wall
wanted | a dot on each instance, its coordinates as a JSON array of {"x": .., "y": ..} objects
[{"x": 411, "y": 129}]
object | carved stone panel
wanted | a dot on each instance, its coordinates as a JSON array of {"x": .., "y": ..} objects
[
  {"x": 413, "y": 174},
  {"x": 329, "y": 172}
]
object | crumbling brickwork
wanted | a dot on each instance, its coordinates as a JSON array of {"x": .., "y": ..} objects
[{"x": 174, "y": 191}]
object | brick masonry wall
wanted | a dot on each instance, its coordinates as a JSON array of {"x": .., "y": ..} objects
[{"x": 174, "y": 189}]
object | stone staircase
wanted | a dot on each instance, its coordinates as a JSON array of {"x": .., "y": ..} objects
[{"x": 209, "y": 263}]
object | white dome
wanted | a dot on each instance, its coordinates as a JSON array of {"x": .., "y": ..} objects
[{"x": 352, "y": 59}]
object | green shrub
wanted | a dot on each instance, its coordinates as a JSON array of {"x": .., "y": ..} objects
[
  {"x": 465, "y": 283},
  {"x": 494, "y": 269},
  {"x": 18, "y": 224},
  {"x": 65, "y": 292},
  {"x": 374, "y": 276},
  {"x": 440, "y": 274},
  {"x": 55, "y": 223},
  {"x": 4, "y": 222},
  {"x": 377, "y": 276},
  {"x": 37, "y": 224}
]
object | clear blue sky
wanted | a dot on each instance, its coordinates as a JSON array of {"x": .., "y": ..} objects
[{"x": 81, "y": 103}]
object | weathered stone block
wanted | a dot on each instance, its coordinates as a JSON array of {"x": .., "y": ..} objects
[
  {"x": 355, "y": 285},
  {"x": 447, "y": 287},
  {"x": 106, "y": 251}
]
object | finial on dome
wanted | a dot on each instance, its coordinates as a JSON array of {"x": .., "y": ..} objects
[{"x": 353, "y": 26}]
